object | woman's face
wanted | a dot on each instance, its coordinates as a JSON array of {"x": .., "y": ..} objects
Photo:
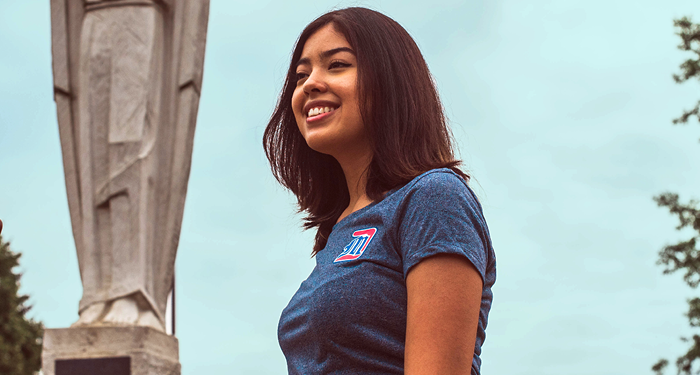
[{"x": 325, "y": 102}]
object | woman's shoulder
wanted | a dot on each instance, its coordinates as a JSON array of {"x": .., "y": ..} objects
[
  {"x": 431, "y": 190},
  {"x": 439, "y": 178},
  {"x": 441, "y": 182},
  {"x": 438, "y": 189}
]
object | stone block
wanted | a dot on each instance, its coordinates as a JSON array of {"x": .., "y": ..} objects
[{"x": 99, "y": 349}]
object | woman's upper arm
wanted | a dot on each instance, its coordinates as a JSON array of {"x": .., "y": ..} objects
[{"x": 444, "y": 299}]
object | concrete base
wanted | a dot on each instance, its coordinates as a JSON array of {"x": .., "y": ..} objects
[{"x": 150, "y": 352}]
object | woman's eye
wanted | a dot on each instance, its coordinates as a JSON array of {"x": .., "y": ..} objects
[
  {"x": 301, "y": 76},
  {"x": 338, "y": 64}
]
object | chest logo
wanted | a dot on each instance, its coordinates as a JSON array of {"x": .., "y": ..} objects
[{"x": 357, "y": 246}]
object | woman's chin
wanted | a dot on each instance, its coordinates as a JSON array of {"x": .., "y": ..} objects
[
  {"x": 330, "y": 141},
  {"x": 321, "y": 142},
  {"x": 321, "y": 147}
]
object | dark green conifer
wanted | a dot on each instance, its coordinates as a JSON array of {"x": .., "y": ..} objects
[{"x": 20, "y": 337}]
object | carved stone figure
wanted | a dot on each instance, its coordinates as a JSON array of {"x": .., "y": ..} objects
[{"x": 127, "y": 78}]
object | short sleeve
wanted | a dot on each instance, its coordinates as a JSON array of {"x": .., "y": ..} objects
[{"x": 441, "y": 215}]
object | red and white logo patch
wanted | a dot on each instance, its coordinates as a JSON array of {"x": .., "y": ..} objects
[{"x": 357, "y": 246}]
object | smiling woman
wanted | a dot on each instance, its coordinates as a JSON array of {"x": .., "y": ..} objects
[
  {"x": 404, "y": 262},
  {"x": 325, "y": 102}
]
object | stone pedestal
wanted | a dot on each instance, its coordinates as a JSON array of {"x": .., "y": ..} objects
[{"x": 109, "y": 351}]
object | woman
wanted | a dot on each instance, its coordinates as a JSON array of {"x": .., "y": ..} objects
[{"x": 404, "y": 262}]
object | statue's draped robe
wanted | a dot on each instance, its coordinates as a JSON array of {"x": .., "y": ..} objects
[
  {"x": 119, "y": 97},
  {"x": 127, "y": 80}
]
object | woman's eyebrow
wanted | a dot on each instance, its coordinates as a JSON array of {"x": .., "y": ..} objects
[{"x": 325, "y": 54}]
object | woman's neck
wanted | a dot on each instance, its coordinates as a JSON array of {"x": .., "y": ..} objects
[{"x": 355, "y": 169}]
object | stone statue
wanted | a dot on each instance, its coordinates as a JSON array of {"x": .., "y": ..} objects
[{"x": 127, "y": 79}]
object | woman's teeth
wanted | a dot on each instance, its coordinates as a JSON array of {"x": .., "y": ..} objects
[{"x": 319, "y": 110}]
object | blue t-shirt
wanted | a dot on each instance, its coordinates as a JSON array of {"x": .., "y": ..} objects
[{"x": 349, "y": 315}]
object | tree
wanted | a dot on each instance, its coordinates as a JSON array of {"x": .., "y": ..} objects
[
  {"x": 690, "y": 34},
  {"x": 685, "y": 255},
  {"x": 20, "y": 337}
]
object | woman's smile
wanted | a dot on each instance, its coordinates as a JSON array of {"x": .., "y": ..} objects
[
  {"x": 318, "y": 114},
  {"x": 319, "y": 109}
]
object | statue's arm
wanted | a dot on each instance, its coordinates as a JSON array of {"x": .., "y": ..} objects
[{"x": 66, "y": 23}]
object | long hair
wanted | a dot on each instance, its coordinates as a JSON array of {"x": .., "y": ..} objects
[{"x": 403, "y": 117}]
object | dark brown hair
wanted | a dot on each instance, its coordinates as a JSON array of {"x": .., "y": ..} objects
[{"x": 401, "y": 110}]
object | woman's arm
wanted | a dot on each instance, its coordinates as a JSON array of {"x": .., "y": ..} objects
[{"x": 444, "y": 298}]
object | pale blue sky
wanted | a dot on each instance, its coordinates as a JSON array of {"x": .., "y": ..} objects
[{"x": 562, "y": 111}]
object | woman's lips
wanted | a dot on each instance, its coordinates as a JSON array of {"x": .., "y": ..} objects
[{"x": 320, "y": 117}]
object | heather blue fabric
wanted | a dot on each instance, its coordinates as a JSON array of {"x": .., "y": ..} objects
[{"x": 349, "y": 317}]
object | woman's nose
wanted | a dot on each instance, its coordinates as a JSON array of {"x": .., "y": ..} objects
[{"x": 314, "y": 83}]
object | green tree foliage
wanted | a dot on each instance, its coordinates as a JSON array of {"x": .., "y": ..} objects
[
  {"x": 685, "y": 255},
  {"x": 20, "y": 337},
  {"x": 690, "y": 35}
]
